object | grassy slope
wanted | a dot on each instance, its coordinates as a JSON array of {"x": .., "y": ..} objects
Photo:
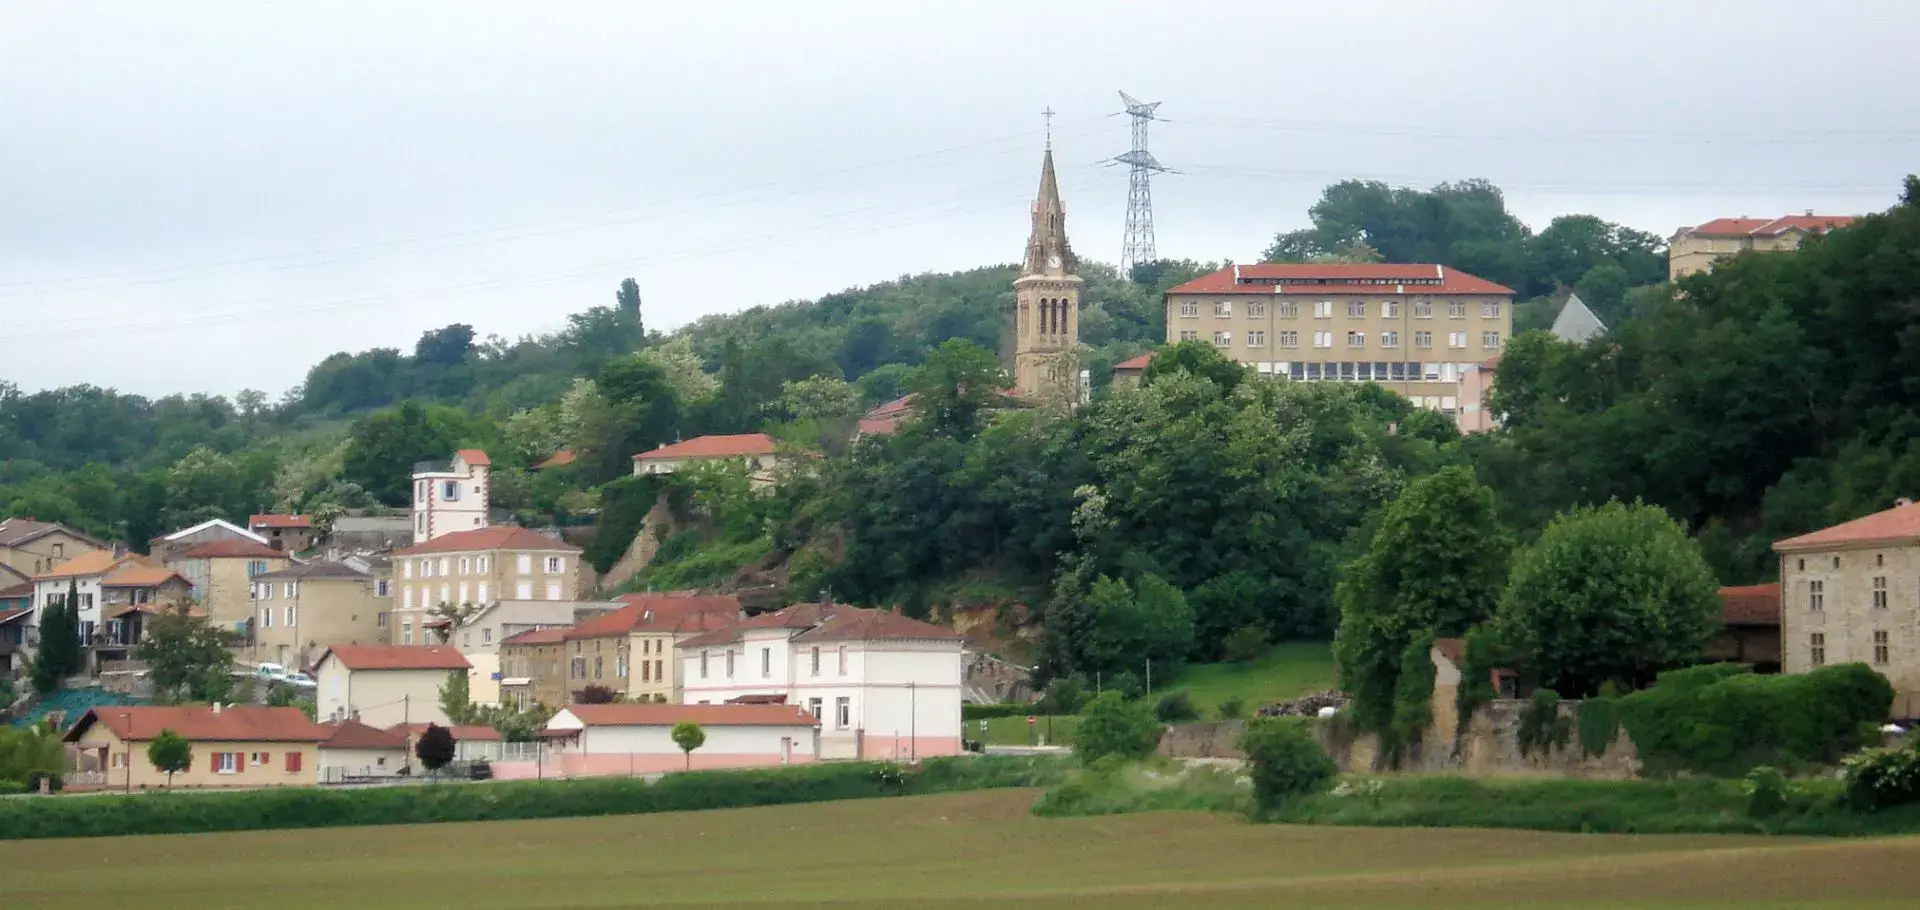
[
  {"x": 1290, "y": 670},
  {"x": 947, "y": 851}
]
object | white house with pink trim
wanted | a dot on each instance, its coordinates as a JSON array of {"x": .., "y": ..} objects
[
  {"x": 596, "y": 740},
  {"x": 881, "y": 685}
]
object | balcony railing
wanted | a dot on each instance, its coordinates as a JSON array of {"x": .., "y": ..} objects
[{"x": 433, "y": 467}]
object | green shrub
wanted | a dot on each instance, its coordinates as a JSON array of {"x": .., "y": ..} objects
[
  {"x": 1115, "y": 787},
  {"x": 1111, "y": 725},
  {"x": 1247, "y": 643},
  {"x": 1066, "y": 695},
  {"x": 13, "y": 787},
  {"x": 1723, "y": 720},
  {"x": 1175, "y": 708},
  {"x": 1233, "y": 707},
  {"x": 1286, "y": 761},
  {"x": 315, "y": 807},
  {"x": 1766, "y": 792},
  {"x": 1879, "y": 778},
  {"x": 1599, "y": 723},
  {"x": 1542, "y": 729}
]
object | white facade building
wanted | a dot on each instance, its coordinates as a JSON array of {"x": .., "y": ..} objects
[
  {"x": 589, "y": 740},
  {"x": 882, "y": 685},
  {"x": 451, "y": 497},
  {"x": 384, "y": 685}
]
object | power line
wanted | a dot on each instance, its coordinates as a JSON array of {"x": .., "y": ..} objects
[
  {"x": 699, "y": 202},
  {"x": 1137, "y": 246},
  {"x": 1807, "y": 136},
  {"x": 1669, "y": 188}
]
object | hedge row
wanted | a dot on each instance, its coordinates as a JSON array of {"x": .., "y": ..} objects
[
  {"x": 1720, "y": 719},
  {"x": 313, "y": 807},
  {"x": 970, "y": 711}
]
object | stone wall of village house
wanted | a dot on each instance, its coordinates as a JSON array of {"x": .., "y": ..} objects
[
  {"x": 328, "y": 612},
  {"x": 1847, "y": 621},
  {"x": 424, "y": 581}
]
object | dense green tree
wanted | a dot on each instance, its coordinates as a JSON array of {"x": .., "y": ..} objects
[
  {"x": 688, "y": 736},
  {"x": 58, "y": 655},
  {"x": 1435, "y": 565},
  {"x": 1112, "y": 726},
  {"x": 956, "y": 388},
  {"x": 186, "y": 657},
  {"x": 1196, "y": 358},
  {"x": 383, "y": 447},
  {"x": 170, "y": 752},
  {"x": 1108, "y": 626},
  {"x": 1609, "y": 594}
]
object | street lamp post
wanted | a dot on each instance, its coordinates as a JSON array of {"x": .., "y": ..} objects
[{"x": 913, "y": 720}]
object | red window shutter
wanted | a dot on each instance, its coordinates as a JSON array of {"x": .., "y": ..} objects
[
  {"x": 293, "y": 762},
  {"x": 266, "y": 758},
  {"x": 239, "y": 762}
]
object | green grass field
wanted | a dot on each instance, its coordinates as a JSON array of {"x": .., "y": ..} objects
[
  {"x": 947, "y": 851},
  {"x": 1290, "y": 670}
]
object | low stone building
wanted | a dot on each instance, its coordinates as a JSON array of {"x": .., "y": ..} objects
[
  {"x": 533, "y": 669},
  {"x": 1849, "y": 593},
  {"x": 1750, "y": 627}
]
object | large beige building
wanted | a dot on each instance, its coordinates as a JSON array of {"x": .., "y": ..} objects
[
  {"x": 1850, "y": 595},
  {"x": 632, "y": 650},
  {"x": 222, "y": 573},
  {"x": 475, "y": 568},
  {"x": 31, "y": 547},
  {"x": 302, "y": 610},
  {"x": 1696, "y": 249},
  {"x": 1414, "y": 329}
]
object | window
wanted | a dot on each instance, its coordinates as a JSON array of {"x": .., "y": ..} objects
[
  {"x": 119, "y": 760},
  {"x": 1256, "y": 339},
  {"x": 815, "y": 655},
  {"x": 420, "y": 522},
  {"x": 1879, "y": 592},
  {"x": 1423, "y": 339},
  {"x": 1223, "y": 308},
  {"x": 406, "y": 568},
  {"x": 703, "y": 665},
  {"x": 1490, "y": 310},
  {"x": 1289, "y": 339},
  {"x": 266, "y": 591},
  {"x": 1289, "y": 311},
  {"x": 525, "y": 564},
  {"x": 293, "y": 615},
  {"x": 1390, "y": 309},
  {"x": 1357, "y": 309},
  {"x": 1422, "y": 310},
  {"x": 1257, "y": 309},
  {"x": 813, "y": 707},
  {"x": 1880, "y": 647},
  {"x": 1323, "y": 339},
  {"x": 843, "y": 712},
  {"x": 620, "y": 666},
  {"x": 1817, "y": 648},
  {"x": 256, "y": 567},
  {"x": 1456, "y": 339},
  {"x": 766, "y": 662},
  {"x": 466, "y": 566},
  {"x": 1323, "y": 310},
  {"x": 480, "y": 565},
  {"x": 1431, "y": 371},
  {"x": 1816, "y": 595},
  {"x": 729, "y": 663},
  {"x": 1222, "y": 339},
  {"x": 445, "y": 594},
  {"x": 556, "y": 565},
  {"x": 226, "y": 762},
  {"x": 1356, "y": 339},
  {"x": 843, "y": 660},
  {"x": 523, "y": 590},
  {"x": 426, "y": 568},
  {"x": 1389, "y": 339},
  {"x": 441, "y": 569},
  {"x": 1490, "y": 340},
  {"x": 1456, "y": 310},
  {"x": 486, "y": 636},
  {"x": 553, "y": 590},
  {"x": 464, "y": 599},
  {"x": 450, "y": 491},
  {"x": 406, "y": 632},
  {"x": 482, "y": 599},
  {"x": 380, "y": 619},
  {"x": 660, "y": 670},
  {"x": 578, "y": 667},
  {"x": 288, "y": 588},
  {"x": 1189, "y": 335},
  {"x": 266, "y": 618},
  {"x": 257, "y": 758},
  {"x": 1189, "y": 307},
  {"x": 383, "y": 588}
]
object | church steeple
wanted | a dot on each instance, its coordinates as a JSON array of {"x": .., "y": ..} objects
[
  {"x": 1046, "y": 320},
  {"x": 1048, "y": 252}
]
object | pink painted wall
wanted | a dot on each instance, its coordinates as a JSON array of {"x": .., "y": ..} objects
[{"x": 576, "y": 764}]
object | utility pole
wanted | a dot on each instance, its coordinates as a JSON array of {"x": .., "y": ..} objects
[
  {"x": 1149, "y": 677},
  {"x": 1138, "y": 246},
  {"x": 406, "y": 717},
  {"x": 913, "y": 720}
]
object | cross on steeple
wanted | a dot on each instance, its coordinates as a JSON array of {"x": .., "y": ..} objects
[{"x": 1047, "y": 115}]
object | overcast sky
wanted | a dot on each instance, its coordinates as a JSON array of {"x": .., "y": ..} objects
[{"x": 214, "y": 196}]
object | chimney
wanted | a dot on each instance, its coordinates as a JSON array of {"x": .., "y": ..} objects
[
  {"x": 216, "y": 709},
  {"x": 1809, "y": 213},
  {"x": 1903, "y": 501}
]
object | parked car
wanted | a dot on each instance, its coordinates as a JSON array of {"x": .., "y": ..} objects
[
  {"x": 299, "y": 680},
  {"x": 270, "y": 671}
]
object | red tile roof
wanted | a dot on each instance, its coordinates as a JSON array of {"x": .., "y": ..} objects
[
  {"x": 474, "y": 457},
  {"x": 397, "y": 657},
  {"x": 1339, "y": 278},
  {"x": 131, "y": 573},
  {"x": 1729, "y": 227},
  {"x": 663, "y": 613},
  {"x": 558, "y": 459},
  {"x": 876, "y": 426},
  {"x": 278, "y": 521},
  {"x": 19, "y": 590},
  {"x": 1453, "y": 649},
  {"x": 228, "y": 549},
  {"x": 762, "y": 699},
  {"x": 1743, "y": 227},
  {"x": 1900, "y": 523},
  {"x": 704, "y": 715},
  {"x": 352, "y": 734},
  {"x": 713, "y": 447},
  {"x": 899, "y": 407},
  {"x": 234, "y": 723},
  {"x": 498, "y": 537},
  {"x": 7, "y": 616},
  {"x": 1135, "y": 363},
  {"x": 1750, "y": 605},
  {"x": 96, "y": 562},
  {"x": 460, "y": 734},
  {"x": 829, "y": 622},
  {"x": 537, "y": 637}
]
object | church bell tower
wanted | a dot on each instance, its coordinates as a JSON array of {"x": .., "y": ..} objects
[{"x": 1047, "y": 300}]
